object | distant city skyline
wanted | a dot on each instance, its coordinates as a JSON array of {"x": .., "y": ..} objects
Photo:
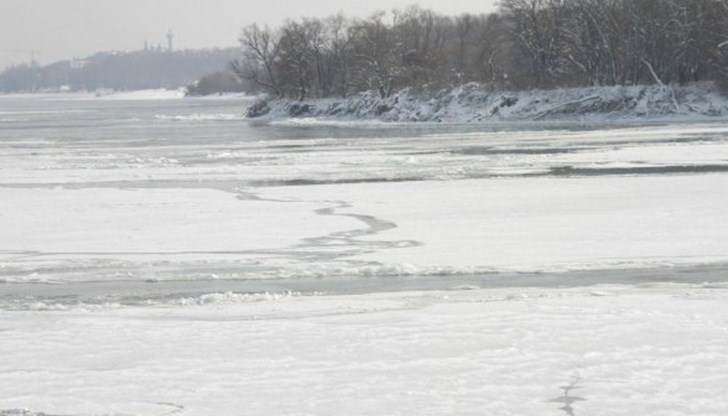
[{"x": 52, "y": 30}]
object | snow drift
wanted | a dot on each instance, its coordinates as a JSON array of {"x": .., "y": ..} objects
[{"x": 472, "y": 103}]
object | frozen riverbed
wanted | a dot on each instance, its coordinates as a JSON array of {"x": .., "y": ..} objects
[{"x": 170, "y": 257}]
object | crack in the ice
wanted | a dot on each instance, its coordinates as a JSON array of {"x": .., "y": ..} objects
[
  {"x": 348, "y": 238},
  {"x": 25, "y": 412},
  {"x": 335, "y": 246},
  {"x": 374, "y": 226},
  {"x": 567, "y": 399},
  {"x": 176, "y": 408}
]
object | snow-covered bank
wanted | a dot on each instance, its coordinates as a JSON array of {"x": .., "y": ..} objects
[{"x": 471, "y": 103}]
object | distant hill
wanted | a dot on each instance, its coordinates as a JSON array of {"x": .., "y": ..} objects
[{"x": 146, "y": 69}]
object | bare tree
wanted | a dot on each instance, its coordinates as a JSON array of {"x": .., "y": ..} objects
[
  {"x": 527, "y": 44},
  {"x": 537, "y": 26},
  {"x": 261, "y": 51},
  {"x": 296, "y": 52},
  {"x": 375, "y": 55}
]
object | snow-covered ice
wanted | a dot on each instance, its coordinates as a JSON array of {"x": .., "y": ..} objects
[
  {"x": 166, "y": 256},
  {"x": 542, "y": 224},
  {"x": 625, "y": 351}
]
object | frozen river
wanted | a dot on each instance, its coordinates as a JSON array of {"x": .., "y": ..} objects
[{"x": 161, "y": 255}]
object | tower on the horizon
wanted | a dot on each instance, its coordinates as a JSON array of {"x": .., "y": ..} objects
[{"x": 170, "y": 39}]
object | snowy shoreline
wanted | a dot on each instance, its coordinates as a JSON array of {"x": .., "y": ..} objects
[{"x": 471, "y": 103}]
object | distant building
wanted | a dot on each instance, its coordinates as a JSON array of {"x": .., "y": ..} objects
[
  {"x": 79, "y": 63},
  {"x": 170, "y": 38}
]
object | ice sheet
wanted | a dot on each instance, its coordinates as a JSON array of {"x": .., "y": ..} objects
[
  {"x": 163, "y": 257},
  {"x": 545, "y": 224},
  {"x": 60, "y": 234},
  {"x": 390, "y": 201},
  {"x": 604, "y": 350}
]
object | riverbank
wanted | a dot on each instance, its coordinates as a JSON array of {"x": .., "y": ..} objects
[{"x": 471, "y": 103}]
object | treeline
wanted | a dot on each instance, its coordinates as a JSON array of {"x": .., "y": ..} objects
[
  {"x": 145, "y": 69},
  {"x": 221, "y": 82},
  {"x": 526, "y": 44}
]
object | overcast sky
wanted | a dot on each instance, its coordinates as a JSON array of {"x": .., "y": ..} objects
[{"x": 62, "y": 29}]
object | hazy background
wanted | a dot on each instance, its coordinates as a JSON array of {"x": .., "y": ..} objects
[{"x": 62, "y": 29}]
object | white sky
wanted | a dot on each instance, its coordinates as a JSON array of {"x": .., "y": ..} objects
[{"x": 62, "y": 29}]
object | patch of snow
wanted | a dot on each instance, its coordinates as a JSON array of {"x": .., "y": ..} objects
[
  {"x": 143, "y": 95},
  {"x": 201, "y": 117}
]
